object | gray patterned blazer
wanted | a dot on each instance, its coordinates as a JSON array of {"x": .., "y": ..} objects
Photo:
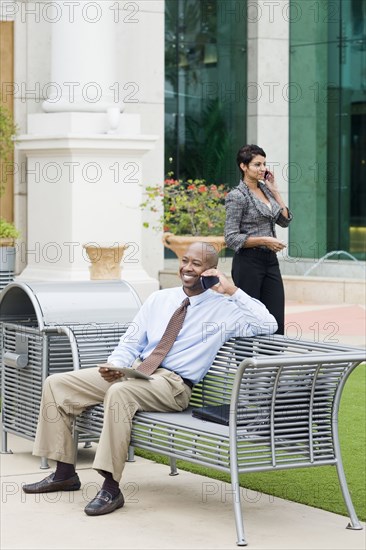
[{"x": 247, "y": 216}]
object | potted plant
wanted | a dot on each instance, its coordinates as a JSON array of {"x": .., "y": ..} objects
[
  {"x": 8, "y": 233},
  {"x": 193, "y": 211}
]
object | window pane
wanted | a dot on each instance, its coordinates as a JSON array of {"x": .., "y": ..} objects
[
  {"x": 205, "y": 91},
  {"x": 328, "y": 130}
]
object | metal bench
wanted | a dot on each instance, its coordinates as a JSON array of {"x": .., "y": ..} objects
[{"x": 283, "y": 397}]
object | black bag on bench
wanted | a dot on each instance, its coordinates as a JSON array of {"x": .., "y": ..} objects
[
  {"x": 214, "y": 413},
  {"x": 251, "y": 417}
]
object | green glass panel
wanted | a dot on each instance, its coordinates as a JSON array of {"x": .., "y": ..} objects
[
  {"x": 327, "y": 129},
  {"x": 205, "y": 90}
]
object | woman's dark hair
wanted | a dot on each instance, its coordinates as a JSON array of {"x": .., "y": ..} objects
[{"x": 247, "y": 153}]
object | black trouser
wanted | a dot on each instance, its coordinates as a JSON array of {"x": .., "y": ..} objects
[{"x": 257, "y": 272}]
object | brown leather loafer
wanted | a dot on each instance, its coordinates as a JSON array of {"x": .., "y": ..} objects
[
  {"x": 104, "y": 503},
  {"x": 48, "y": 485}
]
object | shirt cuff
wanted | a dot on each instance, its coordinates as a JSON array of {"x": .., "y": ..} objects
[{"x": 241, "y": 296}]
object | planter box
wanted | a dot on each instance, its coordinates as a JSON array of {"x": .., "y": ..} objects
[{"x": 7, "y": 265}]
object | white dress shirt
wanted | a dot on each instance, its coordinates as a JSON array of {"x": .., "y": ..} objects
[{"x": 211, "y": 319}]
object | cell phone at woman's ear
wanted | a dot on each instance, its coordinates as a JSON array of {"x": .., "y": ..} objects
[
  {"x": 209, "y": 281},
  {"x": 267, "y": 173}
]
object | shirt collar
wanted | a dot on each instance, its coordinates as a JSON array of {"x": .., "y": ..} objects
[{"x": 198, "y": 299}]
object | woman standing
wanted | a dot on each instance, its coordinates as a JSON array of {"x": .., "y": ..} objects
[{"x": 252, "y": 210}]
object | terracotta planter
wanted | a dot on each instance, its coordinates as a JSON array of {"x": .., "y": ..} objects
[
  {"x": 105, "y": 260},
  {"x": 179, "y": 243},
  {"x": 5, "y": 241}
]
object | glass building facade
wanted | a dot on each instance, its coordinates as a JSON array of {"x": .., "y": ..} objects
[
  {"x": 205, "y": 82},
  {"x": 206, "y": 111},
  {"x": 328, "y": 128}
]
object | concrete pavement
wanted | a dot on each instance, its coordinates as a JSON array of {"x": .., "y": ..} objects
[
  {"x": 187, "y": 511},
  {"x": 326, "y": 323}
]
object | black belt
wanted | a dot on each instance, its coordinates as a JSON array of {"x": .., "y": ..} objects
[
  {"x": 187, "y": 382},
  {"x": 258, "y": 249}
]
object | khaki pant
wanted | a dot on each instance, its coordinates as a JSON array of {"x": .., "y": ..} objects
[{"x": 66, "y": 395}]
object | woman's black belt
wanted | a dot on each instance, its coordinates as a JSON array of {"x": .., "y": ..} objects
[{"x": 257, "y": 249}]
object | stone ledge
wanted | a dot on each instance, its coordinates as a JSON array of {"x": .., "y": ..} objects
[
  {"x": 320, "y": 290},
  {"x": 325, "y": 290}
]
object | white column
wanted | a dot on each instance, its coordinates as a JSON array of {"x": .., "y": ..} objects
[
  {"x": 84, "y": 161},
  {"x": 84, "y": 189},
  {"x": 83, "y": 56},
  {"x": 268, "y": 86}
]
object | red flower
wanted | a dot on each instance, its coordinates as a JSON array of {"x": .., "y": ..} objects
[{"x": 192, "y": 207}]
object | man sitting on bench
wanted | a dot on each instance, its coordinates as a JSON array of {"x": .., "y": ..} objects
[{"x": 172, "y": 354}]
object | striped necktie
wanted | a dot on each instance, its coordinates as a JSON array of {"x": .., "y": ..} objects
[{"x": 152, "y": 362}]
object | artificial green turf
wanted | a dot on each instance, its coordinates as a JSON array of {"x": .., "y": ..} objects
[{"x": 318, "y": 486}]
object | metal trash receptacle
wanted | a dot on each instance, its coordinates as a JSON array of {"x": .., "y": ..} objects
[{"x": 50, "y": 327}]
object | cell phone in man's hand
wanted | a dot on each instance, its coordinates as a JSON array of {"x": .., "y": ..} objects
[{"x": 208, "y": 281}]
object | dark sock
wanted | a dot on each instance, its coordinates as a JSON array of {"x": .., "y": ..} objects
[
  {"x": 110, "y": 484},
  {"x": 64, "y": 471}
]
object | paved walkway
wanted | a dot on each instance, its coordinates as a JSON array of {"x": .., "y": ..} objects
[
  {"x": 337, "y": 324},
  {"x": 183, "y": 512}
]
